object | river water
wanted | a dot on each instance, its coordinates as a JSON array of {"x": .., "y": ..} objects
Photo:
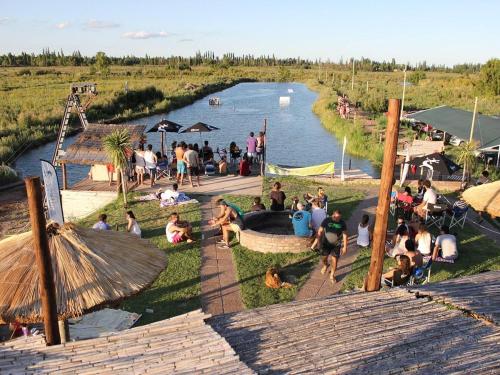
[{"x": 295, "y": 135}]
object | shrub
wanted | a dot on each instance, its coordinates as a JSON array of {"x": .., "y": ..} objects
[{"x": 7, "y": 175}]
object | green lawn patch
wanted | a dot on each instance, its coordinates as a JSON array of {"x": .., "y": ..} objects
[
  {"x": 252, "y": 266},
  {"x": 177, "y": 288}
]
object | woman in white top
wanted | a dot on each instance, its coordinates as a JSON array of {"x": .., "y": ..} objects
[
  {"x": 399, "y": 245},
  {"x": 132, "y": 226},
  {"x": 423, "y": 240},
  {"x": 364, "y": 232}
]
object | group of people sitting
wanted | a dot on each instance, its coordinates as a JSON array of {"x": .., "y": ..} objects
[{"x": 131, "y": 227}]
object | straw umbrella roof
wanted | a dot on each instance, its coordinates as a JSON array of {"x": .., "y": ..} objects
[
  {"x": 90, "y": 268},
  {"x": 88, "y": 148},
  {"x": 485, "y": 198}
]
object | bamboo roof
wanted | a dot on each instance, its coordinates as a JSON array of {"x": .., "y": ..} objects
[
  {"x": 90, "y": 267},
  {"x": 88, "y": 147},
  {"x": 484, "y": 198}
]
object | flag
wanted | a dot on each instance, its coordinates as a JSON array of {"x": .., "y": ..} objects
[{"x": 52, "y": 194}]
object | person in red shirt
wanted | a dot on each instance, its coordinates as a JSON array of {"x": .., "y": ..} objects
[{"x": 244, "y": 166}]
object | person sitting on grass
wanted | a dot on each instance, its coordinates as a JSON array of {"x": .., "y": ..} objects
[
  {"x": 446, "y": 245},
  {"x": 400, "y": 275},
  {"x": 244, "y": 167},
  {"x": 423, "y": 240},
  {"x": 321, "y": 196},
  {"x": 257, "y": 205},
  {"x": 301, "y": 222},
  {"x": 398, "y": 246},
  {"x": 317, "y": 215},
  {"x": 132, "y": 225},
  {"x": 293, "y": 207},
  {"x": 230, "y": 221},
  {"x": 416, "y": 258},
  {"x": 170, "y": 195},
  {"x": 177, "y": 230},
  {"x": 102, "y": 224}
]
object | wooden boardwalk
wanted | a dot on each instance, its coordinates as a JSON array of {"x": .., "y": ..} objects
[{"x": 220, "y": 290}]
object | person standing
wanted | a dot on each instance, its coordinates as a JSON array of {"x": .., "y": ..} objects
[
  {"x": 318, "y": 215},
  {"x": 260, "y": 146},
  {"x": 277, "y": 198},
  {"x": 151, "y": 160},
  {"x": 181, "y": 165},
  {"x": 192, "y": 161},
  {"x": 332, "y": 237},
  {"x": 365, "y": 233},
  {"x": 251, "y": 148},
  {"x": 140, "y": 164}
]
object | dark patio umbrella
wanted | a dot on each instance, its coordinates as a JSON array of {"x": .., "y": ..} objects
[
  {"x": 435, "y": 164},
  {"x": 200, "y": 127},
  {"x": 165, "y": 126}
]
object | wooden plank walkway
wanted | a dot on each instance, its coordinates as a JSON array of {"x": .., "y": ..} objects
[
  {"x": 220, "y": 290},
  {"x": 319, "y": 285},
  {"x": 382, "y": 332},
  {"x": 180, "y": 345},
  {"x": 478, "y": 294}
]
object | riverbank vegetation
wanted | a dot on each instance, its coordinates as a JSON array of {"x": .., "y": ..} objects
[{"x": 32, "y": 94}]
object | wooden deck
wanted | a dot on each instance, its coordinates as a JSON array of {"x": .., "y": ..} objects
[{"x": 89, "y": 185}]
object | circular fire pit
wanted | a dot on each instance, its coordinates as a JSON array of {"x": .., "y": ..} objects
[{"x": 272, "y": 232}]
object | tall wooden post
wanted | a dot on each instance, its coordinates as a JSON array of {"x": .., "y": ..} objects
[
  {"x": 471, "y": 137},
  {"x": 64, "y": 176},
  {"x": 404, "y": 91},
  {"x": 379, "y": 233},
  {"x": 44, "y": 264}
]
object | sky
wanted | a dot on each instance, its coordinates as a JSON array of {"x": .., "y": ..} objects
[{"x": 438, "y": 31}]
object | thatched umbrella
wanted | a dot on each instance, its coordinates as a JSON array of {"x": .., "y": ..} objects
[
  {"x": 484, "y": 198},
  {"x": 90, "y": 268}
]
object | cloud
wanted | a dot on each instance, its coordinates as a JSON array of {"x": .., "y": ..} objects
[
  {"x": 5, "y": 20},
  {"x": 144, "y": 35},
  {"x": 185, "y": 40},
  {"x": 97, "y": 24},
  {"x": 62, "y": 25}
]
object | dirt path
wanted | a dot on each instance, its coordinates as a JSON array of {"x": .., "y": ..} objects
[{"x": 14, "y": 216}]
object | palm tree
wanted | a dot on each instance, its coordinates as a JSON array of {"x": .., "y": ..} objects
[
  {"x": 117, "y": 144},
  {"x": 467, "y": 157}
]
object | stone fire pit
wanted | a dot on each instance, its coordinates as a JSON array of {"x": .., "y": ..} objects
[{"x": 272, "y": 232}]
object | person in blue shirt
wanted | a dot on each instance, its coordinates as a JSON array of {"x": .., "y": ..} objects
[{"x": 301, "y": 221}]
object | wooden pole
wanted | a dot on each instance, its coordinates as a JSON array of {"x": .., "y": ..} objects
[
  {"x": 352, "y": 81},
  {"x": 162, "y": 143},
  {"x": 471, "y": 137},
  {"x": 382, "y": 214},
  {"x": 404, "y": 91},
  {"x": 44, "y": 264},
  {"x": 64, "y": 176}
]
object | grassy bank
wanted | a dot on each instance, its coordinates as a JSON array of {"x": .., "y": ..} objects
[
  {"x": 252, "y": 266},
  {"x": 177, "y": 288}
]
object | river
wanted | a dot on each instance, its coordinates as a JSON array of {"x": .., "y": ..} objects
[{"x": 295, "y": 135}]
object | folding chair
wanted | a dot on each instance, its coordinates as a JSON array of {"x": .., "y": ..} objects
[
  {"x": 392, "y": 208},
  {"x": 421, "y": 275},
  {"x": 404, "y": 209},
  {"x": 163, "y": 170},
  {"x": 435, "y": 214},
  {"x": 459, "y": 215}
]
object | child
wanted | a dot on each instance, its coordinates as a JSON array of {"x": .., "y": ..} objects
[
  {"x": 223, "y": 166},
  {"x": 365, "y": 233},
  {"x": 257, "y": 205}
]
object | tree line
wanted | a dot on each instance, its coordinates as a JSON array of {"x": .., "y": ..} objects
[{"x": 49, "y": 58}]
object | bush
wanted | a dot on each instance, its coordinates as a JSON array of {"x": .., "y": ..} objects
[
  {"x": 7, "y": 175},
  {"x": 416, "y": 77},
  {"x": 23, "y": 72},
  {"x": 490, "y": 77}
]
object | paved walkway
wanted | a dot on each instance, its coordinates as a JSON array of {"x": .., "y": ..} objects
[
  {"x": 319, "y": 285},
  {"x": 220, "y": 290}
]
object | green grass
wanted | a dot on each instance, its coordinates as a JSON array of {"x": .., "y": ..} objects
[
  {"x": 252, "y": 266},
  {"x": 177, "y": 288},
  {"x": 477, "y": 253}
]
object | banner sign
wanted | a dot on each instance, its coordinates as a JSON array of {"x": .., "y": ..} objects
[
  {"x": 315, "y": 170},
  {"x": 52, "y": 194}
]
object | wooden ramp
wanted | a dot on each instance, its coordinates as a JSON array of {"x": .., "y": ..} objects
[{"x": 181, "y": 345}]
